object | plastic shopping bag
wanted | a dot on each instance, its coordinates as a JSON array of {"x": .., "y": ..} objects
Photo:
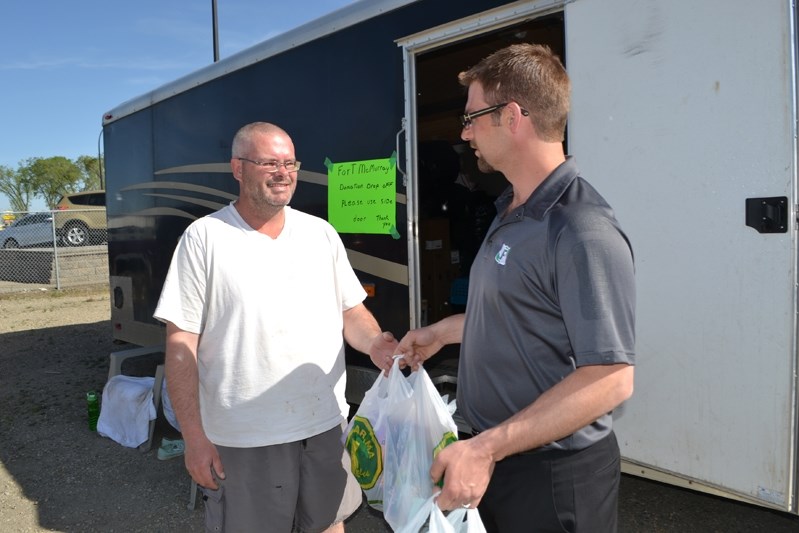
[
  {"x": 367, "y": 431},
  {"x": 457, "y": 521},
  {"x": 415, "y": 436}
]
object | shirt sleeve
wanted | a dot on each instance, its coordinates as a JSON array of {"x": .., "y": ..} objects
[
  {"x": 351, "y": 291},
  {"x": 182, "y": 300},
  {"x": 596, "y": 287}
]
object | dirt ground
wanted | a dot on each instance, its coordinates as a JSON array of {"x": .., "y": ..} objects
[{"x": 56, "y": 474}]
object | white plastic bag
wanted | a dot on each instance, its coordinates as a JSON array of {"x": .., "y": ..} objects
[
  {"x": 416, "y": 434},
  {"x": 366, "y": 432},
  {"x": 457, "y": 521}
]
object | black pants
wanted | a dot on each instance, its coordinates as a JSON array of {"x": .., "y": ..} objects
[{"x": 555, "y": 491}]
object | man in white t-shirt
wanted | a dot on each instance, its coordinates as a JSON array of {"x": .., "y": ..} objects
[{"x": 258, "y": 302}]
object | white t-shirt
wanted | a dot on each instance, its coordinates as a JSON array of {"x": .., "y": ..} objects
[{"x": 269, "y": 315}]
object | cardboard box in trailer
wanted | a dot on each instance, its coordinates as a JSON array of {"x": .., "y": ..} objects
[{"x": 683, "y": 120}]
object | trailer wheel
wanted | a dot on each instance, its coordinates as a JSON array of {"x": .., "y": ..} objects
[{"x": 76, "y": 233}]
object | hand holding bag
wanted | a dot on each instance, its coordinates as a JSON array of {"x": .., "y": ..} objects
[{"x": 457, "y": 521}]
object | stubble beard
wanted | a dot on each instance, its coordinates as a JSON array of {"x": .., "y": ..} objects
[
  {"x": 484, "y": 166},
  {"x": 267, "y": 203}
]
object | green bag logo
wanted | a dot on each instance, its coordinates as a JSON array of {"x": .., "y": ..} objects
[
  {"x": 366, "y": 454},
  {"x": 448, "y": 438}
]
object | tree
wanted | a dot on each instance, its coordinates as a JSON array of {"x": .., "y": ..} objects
[
  {"x": 49, "y": 178},
  {"x": 52, "y": 177},
  {"x": 16, "y": 187},
  {"x": 91, "y": 175}
]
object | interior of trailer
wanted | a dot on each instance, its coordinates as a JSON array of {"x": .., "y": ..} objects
[{"x": 455, "y": 200}]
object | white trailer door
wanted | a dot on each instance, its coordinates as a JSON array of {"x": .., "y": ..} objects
[{"x": 681, "y": 111}]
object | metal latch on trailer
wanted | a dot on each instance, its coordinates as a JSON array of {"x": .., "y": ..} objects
[{"x": 767, "y": 215}]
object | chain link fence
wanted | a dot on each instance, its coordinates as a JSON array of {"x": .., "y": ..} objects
[{"x": 53, "y": 249}]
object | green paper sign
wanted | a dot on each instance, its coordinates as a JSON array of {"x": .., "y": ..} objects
[{"x": 362, "y": 196}]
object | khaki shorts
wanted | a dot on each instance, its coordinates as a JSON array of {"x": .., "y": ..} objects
[{"x": 306, "y": 485}]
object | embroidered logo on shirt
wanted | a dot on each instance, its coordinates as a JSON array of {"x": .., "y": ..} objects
[{"x": 502, "y": 255}]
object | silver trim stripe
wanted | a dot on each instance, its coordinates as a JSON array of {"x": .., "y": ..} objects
[
  {"x": 306, "y": 176},
  {"x": 381, "y": 268}
]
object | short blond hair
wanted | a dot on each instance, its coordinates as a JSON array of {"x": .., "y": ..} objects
[{"x": 243, "y": 138}]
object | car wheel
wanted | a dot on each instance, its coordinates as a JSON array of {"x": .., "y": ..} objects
[
  {"x": 76, "y": 234},
  {"x": 10, "y": 244}
]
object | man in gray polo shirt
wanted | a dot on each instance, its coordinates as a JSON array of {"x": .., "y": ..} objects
[{"x": 547, "y": 340}]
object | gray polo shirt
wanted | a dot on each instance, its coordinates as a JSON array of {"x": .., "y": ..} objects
[{"x": 551, "y": 289}]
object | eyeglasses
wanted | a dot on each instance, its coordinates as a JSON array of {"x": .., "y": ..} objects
[
  {"x": 273, "y": 166},
  {"x": 467, "y": 118}
]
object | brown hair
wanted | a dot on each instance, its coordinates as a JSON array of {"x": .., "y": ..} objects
[{"x": 530, "y": 75}]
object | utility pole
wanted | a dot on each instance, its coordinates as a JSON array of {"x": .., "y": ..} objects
[
  {"x": 215, "y": 30},
  {"x": 100, "y": 159}
]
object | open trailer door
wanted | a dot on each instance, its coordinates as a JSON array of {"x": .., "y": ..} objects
[
  {"x": 689, "y": 131},
  {"x": 450, "y": 202}
]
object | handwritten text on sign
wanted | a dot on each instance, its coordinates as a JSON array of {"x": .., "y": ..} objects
[{"x": 361, "y": 196}]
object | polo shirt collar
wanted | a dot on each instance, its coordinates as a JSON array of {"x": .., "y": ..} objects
[{"x": 546, "y": 194}]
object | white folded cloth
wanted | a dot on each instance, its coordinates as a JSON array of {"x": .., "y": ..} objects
[{"x": 127, "y": 409}]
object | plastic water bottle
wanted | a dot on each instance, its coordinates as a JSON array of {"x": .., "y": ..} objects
[{"x": 93, "y": 405}]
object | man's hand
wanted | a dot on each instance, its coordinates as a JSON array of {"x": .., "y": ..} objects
[
  {"x": 418, "y": 345},
  {"x": 466, "y": 467},
  {"x": 202, "y": 462},
  {"x": 421, "y": 344},
  {"x": 382, "y": 350}
]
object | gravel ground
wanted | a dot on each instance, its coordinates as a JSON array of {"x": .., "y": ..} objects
[{"x": 56, "y": 475}]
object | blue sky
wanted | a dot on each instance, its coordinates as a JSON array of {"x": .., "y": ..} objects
[{"x": 64, "y": 64}]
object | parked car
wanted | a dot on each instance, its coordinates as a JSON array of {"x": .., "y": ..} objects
[
  {"x": 35, "y": 229},
  {"x": 80, "y": 218}
]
